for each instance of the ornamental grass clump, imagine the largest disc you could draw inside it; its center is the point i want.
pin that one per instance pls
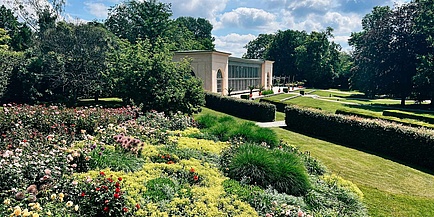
(260, 166)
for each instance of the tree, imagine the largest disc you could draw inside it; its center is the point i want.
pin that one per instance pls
(257, 47)
(201, 29)
(317, 59)
(30, 10)
(424, 78)
(282, 51)
(10, 61)
(146, 74)
(72, 61)
(133, 20)
(343, 73)
(20, 34)
(386, 52)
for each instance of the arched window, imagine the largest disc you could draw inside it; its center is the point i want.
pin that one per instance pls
(219, 81)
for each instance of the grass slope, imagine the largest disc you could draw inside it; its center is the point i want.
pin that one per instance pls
(389, 188)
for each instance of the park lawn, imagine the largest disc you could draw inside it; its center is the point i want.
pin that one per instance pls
(390, 188)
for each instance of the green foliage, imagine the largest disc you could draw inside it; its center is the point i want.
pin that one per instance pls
(267, 92)
(257, 47)
(409, 115)
(201, 28)
(160, 83)
(160, 189)
(226, 128)
(411, 145)
(241, 108)
(20, 34)
(329, 198)
(10, 62)
(280, 106)
(116, 159)
(257, 165)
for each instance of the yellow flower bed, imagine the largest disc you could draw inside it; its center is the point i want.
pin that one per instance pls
(200, 144)
(333, 178)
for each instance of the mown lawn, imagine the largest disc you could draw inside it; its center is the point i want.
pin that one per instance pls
(390, 188)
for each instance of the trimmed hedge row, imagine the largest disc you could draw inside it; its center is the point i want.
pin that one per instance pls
(246, 109)
(403, 114)
(279, 105)
(407, 144)
(349, 112)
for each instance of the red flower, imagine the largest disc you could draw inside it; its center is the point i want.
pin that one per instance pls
(118, 190)
(106, 209)
(192, 170)
(120, 178)
(97, 189)
(110, 179)
(117, 185)
(102, 173)
(125, 209)
(116, 196)
(195, 178)
(106, 201)
(138, 206)
(83, 194)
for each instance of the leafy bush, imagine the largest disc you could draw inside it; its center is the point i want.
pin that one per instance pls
(160, 189)
(105, 157)
(250, 110)
(267, 92)
(158, 120)
(408, 144)
(329, 199)
(279, 105)
(226, 128)
(257, 165)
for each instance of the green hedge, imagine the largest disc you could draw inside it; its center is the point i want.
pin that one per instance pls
(246, 109)
(279, 105)
(411, 145)
(355, 113)
(403, 114)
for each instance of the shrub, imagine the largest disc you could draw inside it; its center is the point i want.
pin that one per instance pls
(226, 128)
(245, 96)
(279, 105)
(257, 165)
(118, 160)
(250, 110)
(160, 189)
(408, 144)
(329, 199)
(267, 92)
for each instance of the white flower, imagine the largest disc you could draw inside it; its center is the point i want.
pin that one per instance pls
(76, 208)
(69, 203)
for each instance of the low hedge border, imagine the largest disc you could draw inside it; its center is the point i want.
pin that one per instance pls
(403, 114)
(348, 112)
(247, 109)
(279, 106)
(414, 146)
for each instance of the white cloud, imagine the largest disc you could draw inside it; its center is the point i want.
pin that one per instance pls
(248, 18)
(233, 43)
(99, 10)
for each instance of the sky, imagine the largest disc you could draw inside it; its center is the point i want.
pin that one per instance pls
(236, 22)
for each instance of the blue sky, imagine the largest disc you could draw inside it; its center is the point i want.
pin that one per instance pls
(236, 22)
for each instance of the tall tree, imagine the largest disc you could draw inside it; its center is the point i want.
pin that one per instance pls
(73, 60)
(386, 51)
(10, 61)
(133, 20)
(201, 29)
(20, 34)
(282, 51)
(318, 59)
(424, 78)
(257, 47)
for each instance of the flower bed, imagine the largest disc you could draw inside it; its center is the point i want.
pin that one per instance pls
(105, 162)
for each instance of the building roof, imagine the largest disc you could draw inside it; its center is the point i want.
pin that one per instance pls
(202, 51)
